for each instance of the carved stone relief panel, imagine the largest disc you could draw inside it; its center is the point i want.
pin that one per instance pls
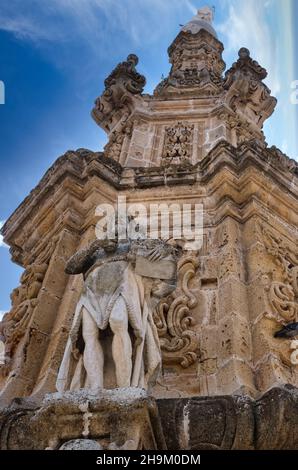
(121, 86)
(174, 319)
(117, 137)
(24, 300)
(281, 293)
(178, 144)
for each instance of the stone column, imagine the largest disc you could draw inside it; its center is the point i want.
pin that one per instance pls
(228, 343)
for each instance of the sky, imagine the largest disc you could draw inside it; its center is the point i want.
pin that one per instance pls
(55, 55)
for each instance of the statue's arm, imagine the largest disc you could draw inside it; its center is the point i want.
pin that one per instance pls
(150, 249)
(81, 261)
(159, 249)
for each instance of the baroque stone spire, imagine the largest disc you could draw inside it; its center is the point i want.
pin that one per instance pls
(196, 58)
(191, 110)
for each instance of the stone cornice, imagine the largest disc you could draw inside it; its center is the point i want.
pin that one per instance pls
(81, 165)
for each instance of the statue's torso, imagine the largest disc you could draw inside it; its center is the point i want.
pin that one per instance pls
(107, 260)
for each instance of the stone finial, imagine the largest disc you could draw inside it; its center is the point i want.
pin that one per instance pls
(244, 53)
(247, 95)
(123, 83)
(133, 59)
(201, 21)
(206, 14)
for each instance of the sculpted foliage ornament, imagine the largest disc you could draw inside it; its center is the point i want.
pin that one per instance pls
(178, 143)
(174, 320)
(127, 73)
(24, 299)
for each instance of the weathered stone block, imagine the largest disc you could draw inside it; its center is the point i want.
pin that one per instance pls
(235, 377)
(234, 339)
(207, 423)
(118, 419)
(232, 298)
(270, 373)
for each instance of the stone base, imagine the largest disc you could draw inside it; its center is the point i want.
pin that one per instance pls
(129, 419)
(232, 422)
(107, 419)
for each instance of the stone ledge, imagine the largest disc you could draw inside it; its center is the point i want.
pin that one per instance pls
(128, 418)
(232, 422)
(115, 419)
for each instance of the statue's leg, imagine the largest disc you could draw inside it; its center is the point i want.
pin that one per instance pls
(121, 346)
(93, 353)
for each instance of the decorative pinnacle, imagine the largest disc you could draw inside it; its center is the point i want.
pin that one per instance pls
(202, 20)
(244, 53)
(206, 14)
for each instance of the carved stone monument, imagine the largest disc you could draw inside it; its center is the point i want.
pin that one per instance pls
(203, 346)
(120, 291)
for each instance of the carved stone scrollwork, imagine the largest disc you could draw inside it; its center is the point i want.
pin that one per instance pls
(24, 301)
(282, 295)
(294, 353)
(122, 83)
(178, 144)
(281, 298)
(133, 81)
(247, 95)
(173, 319)
(283, 256)
(196, 66)
(238, 125)
(196, 58)
(116, 140)
(282, 160)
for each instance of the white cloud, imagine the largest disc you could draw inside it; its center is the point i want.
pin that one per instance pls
(191, 7)
(62, 20)
(24, 28)
(2, 244)
(97, 22)
(248, 27)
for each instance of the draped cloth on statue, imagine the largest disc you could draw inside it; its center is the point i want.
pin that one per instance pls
(103, 286)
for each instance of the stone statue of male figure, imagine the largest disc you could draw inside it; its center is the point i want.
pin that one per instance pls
(123, 282)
